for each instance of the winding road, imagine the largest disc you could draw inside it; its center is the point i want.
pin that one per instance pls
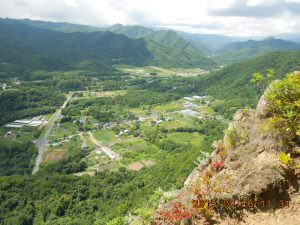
(42, 143)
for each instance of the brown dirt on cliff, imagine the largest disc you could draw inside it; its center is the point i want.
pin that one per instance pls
(245, 171)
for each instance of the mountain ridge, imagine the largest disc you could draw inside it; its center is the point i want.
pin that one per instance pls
(242, 50)
(66, 48)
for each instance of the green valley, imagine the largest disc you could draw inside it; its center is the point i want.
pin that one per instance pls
(104, 125)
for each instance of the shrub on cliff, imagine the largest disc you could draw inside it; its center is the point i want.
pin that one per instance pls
(284, 105)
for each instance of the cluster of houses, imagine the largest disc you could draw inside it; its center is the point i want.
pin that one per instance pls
(34, 122)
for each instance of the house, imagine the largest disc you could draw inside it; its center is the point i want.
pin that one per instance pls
(56, 144)
(4, 86)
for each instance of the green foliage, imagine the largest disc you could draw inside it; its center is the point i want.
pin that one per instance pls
(117, 221)
(59, 199)
(241, 51)
(34, 48)
(284, 104)
(16, 158)
(51, 197)
(29, 100)
(286, 159)
(232, 139)
(231, 84)
(262, 81)
(170, 50)
(17, 152)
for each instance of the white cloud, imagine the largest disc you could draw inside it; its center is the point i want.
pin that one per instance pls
(72, 3)
(261, 2)
(234, 17)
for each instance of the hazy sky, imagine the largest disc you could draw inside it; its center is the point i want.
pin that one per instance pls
(228, 17)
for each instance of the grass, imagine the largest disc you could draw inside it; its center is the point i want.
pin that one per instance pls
(171, 107)
(160, 71)
(178, 121)
(194, 138)
(136, 149)
(208, 110)
(19, 134)
(98, 94)
(65, 129)
(66, 149)
(105, 136)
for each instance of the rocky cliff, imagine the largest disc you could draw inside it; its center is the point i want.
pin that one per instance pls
(252, 177)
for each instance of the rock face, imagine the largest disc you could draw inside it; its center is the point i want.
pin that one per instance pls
(262, 105)
(251, 163)
(244, 165)
(261, 109)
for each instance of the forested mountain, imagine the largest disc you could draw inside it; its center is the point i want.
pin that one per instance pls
(46, 49)
(208, 42)
(56, 26)
(167, 46)
(204, 42)
(23, 44)
(233, 82)
(134, 31)
(239, 51)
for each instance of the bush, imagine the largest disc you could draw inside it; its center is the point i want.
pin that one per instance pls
(284, 104)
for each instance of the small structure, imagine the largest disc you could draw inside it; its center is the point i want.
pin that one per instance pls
(8, 134)
(56, 144)
(99, 152)
(34, 122)
(4, 86)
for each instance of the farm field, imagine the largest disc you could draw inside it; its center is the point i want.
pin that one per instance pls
(172, 125)
(162, 72)
(141, 134)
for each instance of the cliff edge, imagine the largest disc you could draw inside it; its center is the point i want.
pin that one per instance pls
(252, 177)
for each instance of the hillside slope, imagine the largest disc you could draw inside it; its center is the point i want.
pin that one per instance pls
(240, 51)
(133, 31)
(253, 171)
(62, 27)
(232, 85)
(23, 44)
(168, 47)
(37, 45)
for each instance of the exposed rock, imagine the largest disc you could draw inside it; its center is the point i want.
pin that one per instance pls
(262, 105)
(251, 167)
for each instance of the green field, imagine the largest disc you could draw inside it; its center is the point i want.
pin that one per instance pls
(105, 136)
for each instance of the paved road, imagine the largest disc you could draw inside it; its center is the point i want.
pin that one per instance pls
(41, 144)
(110, 153)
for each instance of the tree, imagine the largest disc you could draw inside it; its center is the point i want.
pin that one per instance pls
(261, 80)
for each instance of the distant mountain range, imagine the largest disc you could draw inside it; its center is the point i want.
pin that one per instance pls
(220, 48)
(46, 49)
(240, 51)
(165, 45)
(25, 40)
(56, 26)
(54, 46)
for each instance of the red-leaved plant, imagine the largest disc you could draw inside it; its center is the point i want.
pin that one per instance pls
(177, 213)
(217, 166)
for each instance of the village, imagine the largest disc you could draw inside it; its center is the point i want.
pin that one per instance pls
(112, 145)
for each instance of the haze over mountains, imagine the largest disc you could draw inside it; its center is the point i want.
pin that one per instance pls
(165, 48)
(62, 45)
